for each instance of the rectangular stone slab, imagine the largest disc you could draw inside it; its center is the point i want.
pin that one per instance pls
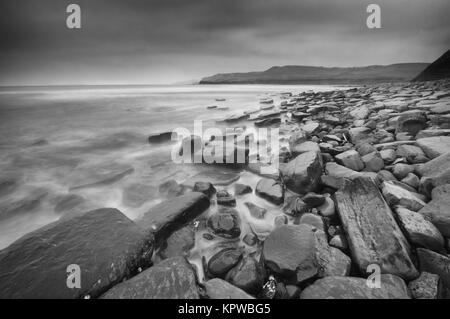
(372, 232)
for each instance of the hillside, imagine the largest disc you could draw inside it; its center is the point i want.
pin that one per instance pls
(293, 74)
(439, 69)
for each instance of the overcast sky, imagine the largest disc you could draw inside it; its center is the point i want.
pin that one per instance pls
(166, 41)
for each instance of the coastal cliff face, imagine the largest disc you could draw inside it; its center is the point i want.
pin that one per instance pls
(439, 69)
(292, 74)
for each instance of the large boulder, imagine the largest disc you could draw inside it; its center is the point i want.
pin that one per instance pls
(438, 209)
(248, 275)
(302, 174)
(374, 238)
(166, 217)
(173, 278)
(220, 289)
(435, 263)
(104, 243)
(396, 195)
(392, 287)
(435, 146)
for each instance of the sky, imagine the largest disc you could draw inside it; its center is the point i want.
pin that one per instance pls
(170, 41)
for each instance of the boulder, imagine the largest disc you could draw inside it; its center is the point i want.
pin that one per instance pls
(360, 113)
(248, 275)
(427, 286)
(305, 147)
(223, 261)
(293, 206)
(435, 263)
(373, 238)
(411, 122)
(225, 199)
(179, 243)
(313, 220)
(419, 230)
(411, 180)
(438, 209)
(104, 243)
(205, 188)
(413, 154)
(167, 216)
(400, 170)
(271, 190)
(313, 200)
(373, 162)
(302, 174)
(434, 173)
(392, 287)
(388, 155)
(173, 278)
(435, 146)
(350, 159)
(220, 289)
(396, 195)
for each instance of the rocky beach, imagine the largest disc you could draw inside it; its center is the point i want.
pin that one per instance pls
(363, 185)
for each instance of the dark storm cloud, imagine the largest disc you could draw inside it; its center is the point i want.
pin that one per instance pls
(156, 41)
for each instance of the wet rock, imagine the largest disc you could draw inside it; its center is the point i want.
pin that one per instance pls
(271, 190)
(35, 266)
(290, 252)
(167, 216)
(411, 122)
(250, 239)
(396, 195)
(220, 289)
(438, 209)
(373, 162)
(373, 238)
(400, 170)
(327, 209)
(225, 224)
(136, 194)
(241, 189)
(435, 146)
(427, 286)
(173, 278)
(68, 202)
(179, 243)
(434, 263)
(256, 211)
(162, 137)
(413, 154)
(302, 174)
(223, 261)
(205, 188)
(225, 199)
(313, 200)
(420, 231)
(350, 159)
(247, 275)
(392, 287)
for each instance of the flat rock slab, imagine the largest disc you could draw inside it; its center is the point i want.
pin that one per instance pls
(435, 146)
(220, 289)
(173, 278)
(104, 243)
(166, 217)
(373, 234)
(392, 287)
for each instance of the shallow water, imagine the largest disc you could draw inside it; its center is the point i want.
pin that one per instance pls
(87, 146)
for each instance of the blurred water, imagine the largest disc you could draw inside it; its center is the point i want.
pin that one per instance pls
(86, 147)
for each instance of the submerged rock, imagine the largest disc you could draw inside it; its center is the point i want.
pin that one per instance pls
(256, 211)
(225, 199)
(223, 261)
(104, 243)
(241, 189)
(173, 278)
(225, 224)
(205, 188)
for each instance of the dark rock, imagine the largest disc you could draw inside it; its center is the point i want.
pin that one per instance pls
(173, 278)
(205, 188)
(302, 174)
(350, 159)
(293, 206)
(435, 263)
(220, 289)
(241, 189)
(167, 216)
(373, 238)
(271, 190)
(247, 275)
(104, 243)
(179, 243)
(313, 200)
(225, 199)
(162, 137)
(392, 287)
(226, 224)
(223, 261)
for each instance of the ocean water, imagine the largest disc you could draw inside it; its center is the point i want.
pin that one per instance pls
(64, 149)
